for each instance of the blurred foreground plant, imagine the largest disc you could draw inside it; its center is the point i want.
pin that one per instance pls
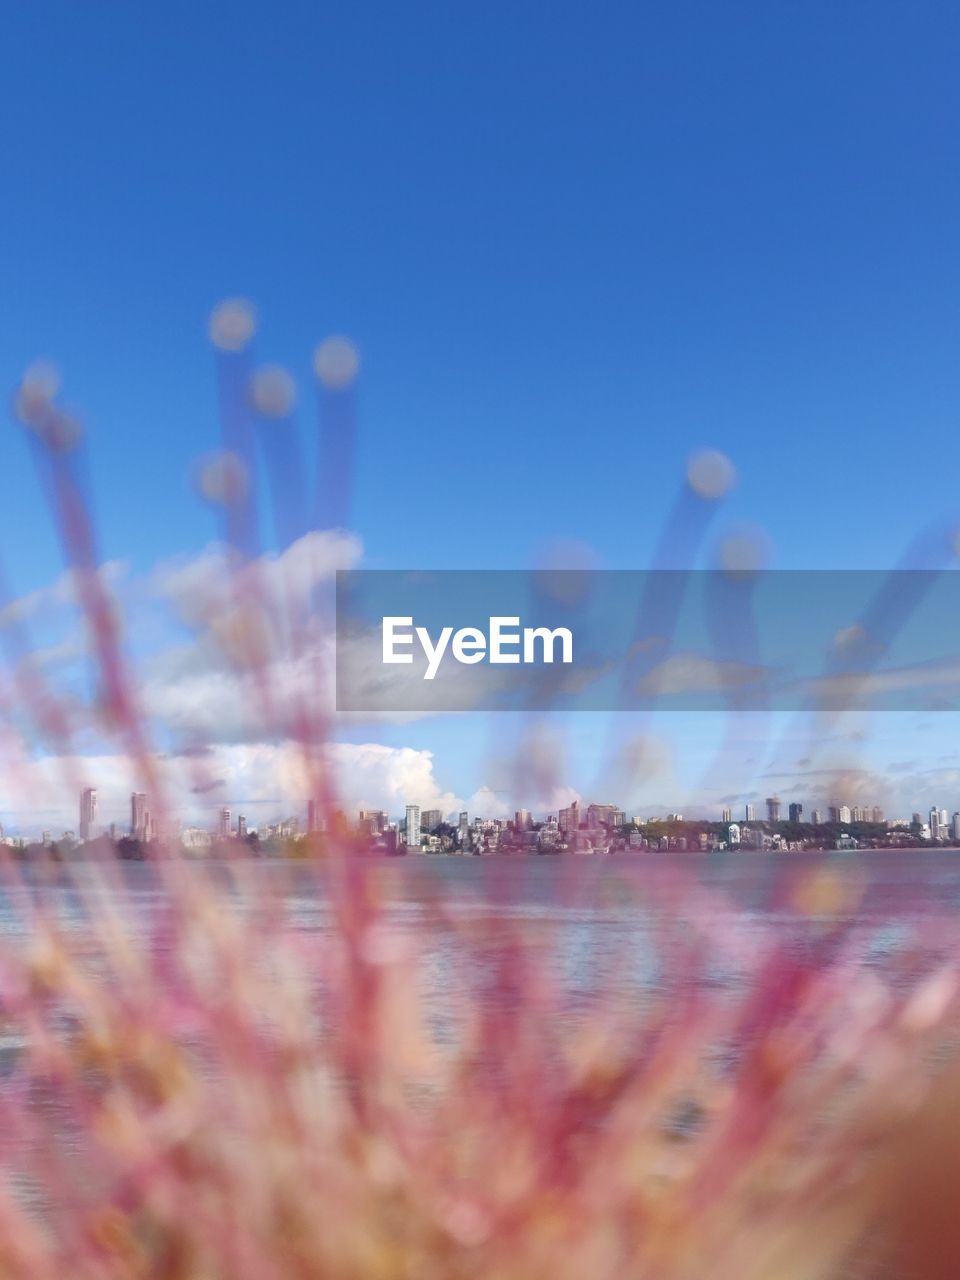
(215, 1091)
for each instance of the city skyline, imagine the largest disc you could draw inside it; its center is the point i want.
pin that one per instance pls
(416, 820)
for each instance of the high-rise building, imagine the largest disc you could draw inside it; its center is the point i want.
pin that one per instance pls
(773, 808)
(430, 819)
(223, 824)
(817, 817)
(843, 813)
(750, 813)
(604, 815)
(412, 839)
(373, 820)
(569, 818)
(877, 813)
(138, 815)
(726, 815)
(88, 812)
(936, 830)
(521, 820)
(241, 826)
(955, 832)
(796, 812)
(312, 817)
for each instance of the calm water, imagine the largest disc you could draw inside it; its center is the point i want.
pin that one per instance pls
(602, 920)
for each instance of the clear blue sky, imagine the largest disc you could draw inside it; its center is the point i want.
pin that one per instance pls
(573, 243)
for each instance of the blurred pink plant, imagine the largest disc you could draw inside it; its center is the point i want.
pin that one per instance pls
(217, 1092)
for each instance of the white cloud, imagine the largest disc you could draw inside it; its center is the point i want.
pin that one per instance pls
(59, 595)
(265, 780)
(213, 582)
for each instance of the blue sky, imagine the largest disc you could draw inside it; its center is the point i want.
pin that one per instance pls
(573, 244)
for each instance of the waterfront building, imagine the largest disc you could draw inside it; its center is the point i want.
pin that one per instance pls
(138, 815)
(430, 819)
(549, 834)
(569, 818)
(195, 838)
(412, 839)
(88, 812)
(604, 815)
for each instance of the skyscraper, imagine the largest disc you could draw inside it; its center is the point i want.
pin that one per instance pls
(521, 820)
(312, 816)
(750, 813)
(138, 815)
(773, 808)
(413, 826)
(796, 812)
(88, 812)
(726, 815)
(430, 819)
(569, 820)
(223, 828)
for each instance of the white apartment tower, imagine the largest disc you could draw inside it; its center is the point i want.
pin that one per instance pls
(413, 826)
(88, 812)
(138, 815)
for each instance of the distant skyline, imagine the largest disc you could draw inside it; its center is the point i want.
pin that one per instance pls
(572, 249)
